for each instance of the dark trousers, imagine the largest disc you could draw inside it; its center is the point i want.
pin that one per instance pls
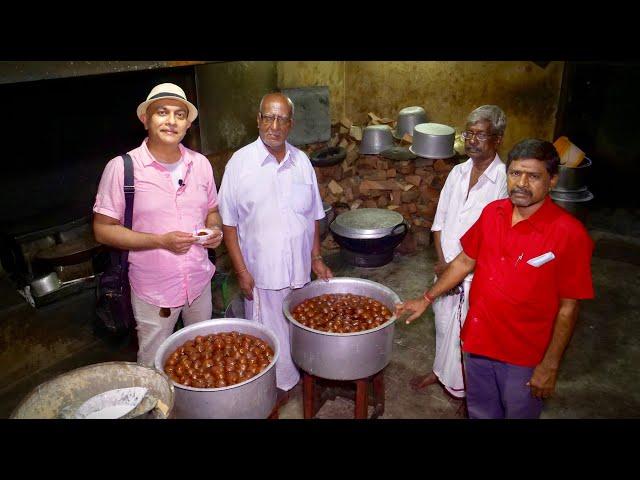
(498, 390)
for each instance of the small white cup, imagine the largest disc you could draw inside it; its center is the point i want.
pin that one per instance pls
(203, 234)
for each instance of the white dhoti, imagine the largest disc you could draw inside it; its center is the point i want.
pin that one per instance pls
(449, 317)
(266, 308)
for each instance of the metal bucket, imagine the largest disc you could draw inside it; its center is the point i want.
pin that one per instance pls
(573, 179)
(574, 202)
(342, 356)
(253, 398)
(61, 396)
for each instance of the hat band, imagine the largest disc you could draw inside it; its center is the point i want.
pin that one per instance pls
(166, 94)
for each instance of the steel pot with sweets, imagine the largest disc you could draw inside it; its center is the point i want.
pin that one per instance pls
(343, 356)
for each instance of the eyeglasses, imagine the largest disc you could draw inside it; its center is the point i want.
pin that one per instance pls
(268, 119)
(480, 136)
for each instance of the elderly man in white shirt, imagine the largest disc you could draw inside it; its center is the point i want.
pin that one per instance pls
(270, 207)
(470, 186)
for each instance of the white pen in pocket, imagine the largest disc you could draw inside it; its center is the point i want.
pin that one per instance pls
(541, 259)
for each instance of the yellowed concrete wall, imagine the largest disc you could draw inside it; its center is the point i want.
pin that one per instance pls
(313, 74)
(449, 91)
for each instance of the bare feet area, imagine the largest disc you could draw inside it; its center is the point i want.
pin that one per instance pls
(421, 382)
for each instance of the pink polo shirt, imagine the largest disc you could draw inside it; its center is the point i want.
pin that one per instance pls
(158, 276)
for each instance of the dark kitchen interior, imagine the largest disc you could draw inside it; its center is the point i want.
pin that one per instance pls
(65, 124)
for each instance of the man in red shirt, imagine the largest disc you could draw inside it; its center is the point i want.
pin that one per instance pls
(532, 265)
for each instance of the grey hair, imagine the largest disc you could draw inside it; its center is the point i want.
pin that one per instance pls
(291, 106)
(491, 113)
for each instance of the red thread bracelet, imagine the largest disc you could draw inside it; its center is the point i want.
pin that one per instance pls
(428, 297)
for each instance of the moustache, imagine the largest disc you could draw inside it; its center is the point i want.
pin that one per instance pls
(520, 190)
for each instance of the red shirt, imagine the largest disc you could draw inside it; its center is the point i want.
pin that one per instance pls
(512, 304)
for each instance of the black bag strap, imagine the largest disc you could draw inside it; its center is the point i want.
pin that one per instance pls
(129, 192)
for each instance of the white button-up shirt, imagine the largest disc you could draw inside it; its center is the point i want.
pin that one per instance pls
(456, 212)
(274, 207)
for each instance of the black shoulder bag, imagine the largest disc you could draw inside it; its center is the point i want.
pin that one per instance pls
(113, 307)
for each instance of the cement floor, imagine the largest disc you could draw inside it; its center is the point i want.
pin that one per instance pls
(599, 377)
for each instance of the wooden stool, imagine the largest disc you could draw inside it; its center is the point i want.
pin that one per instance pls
(362, 395)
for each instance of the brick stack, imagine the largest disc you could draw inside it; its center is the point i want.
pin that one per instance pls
(410, 187)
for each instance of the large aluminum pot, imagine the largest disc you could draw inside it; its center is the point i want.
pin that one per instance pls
(573, 179)
(573, 202)
(61, 396)
(375, 139)
(326, 220)
(341, 356)
(408, 118)
(253, 398)
(433, 140)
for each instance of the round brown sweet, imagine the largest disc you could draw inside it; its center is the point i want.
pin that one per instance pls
(341, 313)
(218, 360)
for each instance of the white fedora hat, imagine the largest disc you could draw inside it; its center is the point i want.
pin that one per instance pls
(167, 90)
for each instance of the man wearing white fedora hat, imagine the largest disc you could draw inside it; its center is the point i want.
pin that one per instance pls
(469, 187)
(270, 206)
(175, 195)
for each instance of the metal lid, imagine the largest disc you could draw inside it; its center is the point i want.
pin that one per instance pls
(582, 195)
(398, 154)
(367, 223)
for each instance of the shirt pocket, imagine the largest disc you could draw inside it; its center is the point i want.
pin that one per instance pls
(197, 200)
(301, 198)
(533, 284)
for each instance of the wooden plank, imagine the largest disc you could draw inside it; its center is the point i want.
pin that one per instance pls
(346, 122)
(355, 132)
(413, 179)
(330, 198)
(380, 185)
(410, 196)
(442, 166)
(374, 174)
(437, 182)
(405, 168)
(356, 204)
(368, 161)
(335, 188)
